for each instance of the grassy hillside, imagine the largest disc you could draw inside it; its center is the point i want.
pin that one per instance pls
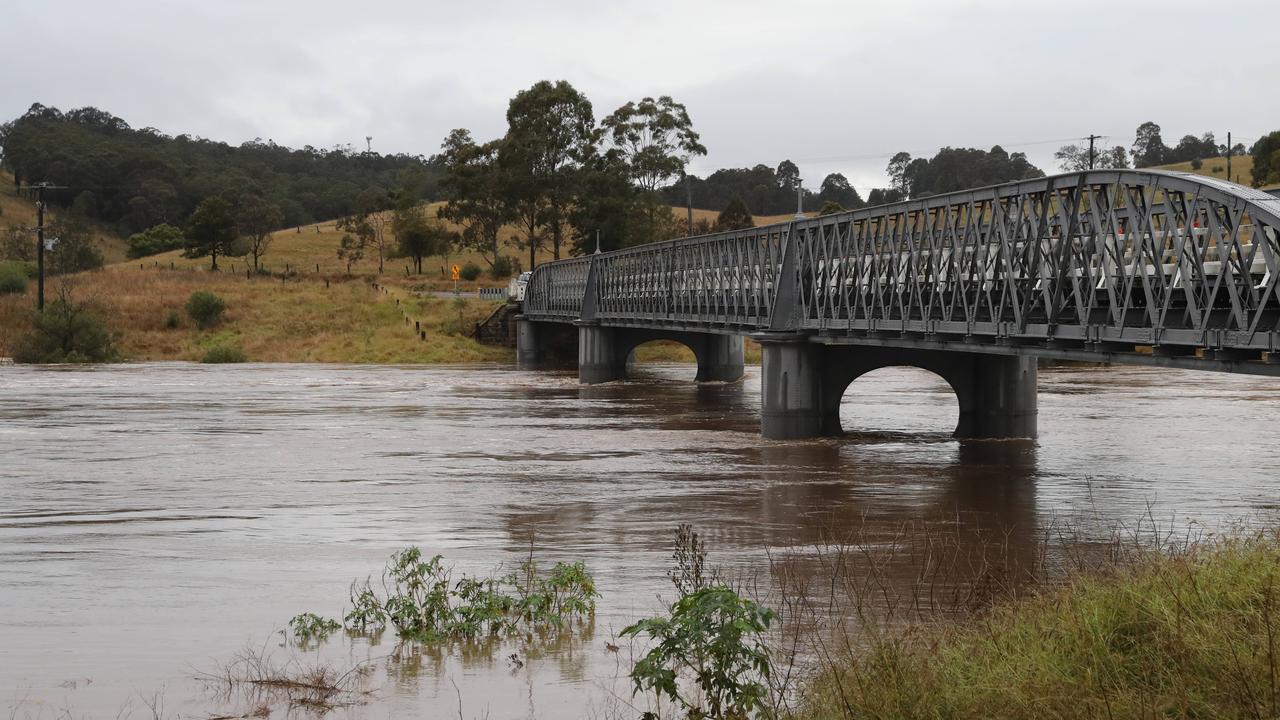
(313, 249)
(270, 320)
(16, 209)
(1241, 169)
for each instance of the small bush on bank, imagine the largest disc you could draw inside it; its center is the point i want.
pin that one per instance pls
(13, 281)
(224, 354)
(470, 271)
(502, 268)
(171, 321)
(205, 308)
(66, 332)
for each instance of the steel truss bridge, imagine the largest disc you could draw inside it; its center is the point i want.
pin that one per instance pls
(1137, 266)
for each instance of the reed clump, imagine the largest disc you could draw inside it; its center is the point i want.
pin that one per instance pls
(1184, 633)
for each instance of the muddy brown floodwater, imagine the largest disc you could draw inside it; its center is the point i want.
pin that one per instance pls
(156, 519)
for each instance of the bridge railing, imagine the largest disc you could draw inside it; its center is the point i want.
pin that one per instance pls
(1130, 256)
(1124, 256)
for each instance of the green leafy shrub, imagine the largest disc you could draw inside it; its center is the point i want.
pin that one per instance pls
(424, 602)
(223, 354)
(154, 240)
(171, 321)
(502, 268)
(66, 332)
(13, 281)
(309, 625)
(470, 271)
(716, 637)
(205, 308)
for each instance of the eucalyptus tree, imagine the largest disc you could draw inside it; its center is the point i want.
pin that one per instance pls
(550, 135)
(656, 140)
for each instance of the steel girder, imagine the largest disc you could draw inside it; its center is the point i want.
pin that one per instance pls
(1100, 258)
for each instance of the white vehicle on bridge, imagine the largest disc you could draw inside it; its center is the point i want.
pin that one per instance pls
(517, 286)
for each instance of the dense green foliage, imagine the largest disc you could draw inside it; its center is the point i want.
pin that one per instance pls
(954, 169)
(309, 626)
(469, 272)
(424, 602)
(1188, 636)
(765, 190)
(154, 240)
(1266, 159)
(212, 230)
(205, 308)
(68, 331)
(13, 278)
(221, 354)
(716, 637)
(418, 236)
(735, 216)
(137, 178)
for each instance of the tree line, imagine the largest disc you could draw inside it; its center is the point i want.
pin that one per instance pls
(134, 179)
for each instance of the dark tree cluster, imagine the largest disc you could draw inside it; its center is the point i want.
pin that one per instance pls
(562, 179)
(764, 190)
(138, 178)
(1149, 148)
(954, 169)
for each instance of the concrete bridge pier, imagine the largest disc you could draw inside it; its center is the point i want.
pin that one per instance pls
(802, 383)
(543, 344)
(605, 352)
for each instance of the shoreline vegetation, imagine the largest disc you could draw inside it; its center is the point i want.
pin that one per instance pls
(1187, 630)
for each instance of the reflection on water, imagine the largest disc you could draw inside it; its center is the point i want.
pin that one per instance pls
(156, 519)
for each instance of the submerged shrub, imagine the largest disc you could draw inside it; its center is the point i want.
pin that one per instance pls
(67, 331)
(309, 625)
(716, 638)
(205, 308)
(223, 354)
(424, 602)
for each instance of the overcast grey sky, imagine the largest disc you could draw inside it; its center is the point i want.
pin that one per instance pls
(833, 86)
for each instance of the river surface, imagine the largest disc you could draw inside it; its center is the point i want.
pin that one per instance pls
(157, 519)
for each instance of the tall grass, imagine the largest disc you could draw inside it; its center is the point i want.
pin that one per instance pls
(270, 320)
(1123, 629)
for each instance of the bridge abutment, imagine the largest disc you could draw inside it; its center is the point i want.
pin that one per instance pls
(802, 384)
(604, 353)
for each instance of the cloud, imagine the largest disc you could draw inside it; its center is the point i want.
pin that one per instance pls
(835, 86)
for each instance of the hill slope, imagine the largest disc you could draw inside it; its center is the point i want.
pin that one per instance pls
(17, 209)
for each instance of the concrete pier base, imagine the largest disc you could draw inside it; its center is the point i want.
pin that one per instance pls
(541, 344)
(604, 353)
(802, 384)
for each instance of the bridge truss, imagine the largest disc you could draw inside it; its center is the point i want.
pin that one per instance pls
(1089, 265)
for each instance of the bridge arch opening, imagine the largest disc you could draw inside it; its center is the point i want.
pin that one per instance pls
(663, 358)
(899, 400)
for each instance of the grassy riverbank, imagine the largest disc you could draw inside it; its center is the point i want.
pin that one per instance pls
(1192, 635)
(269, 320)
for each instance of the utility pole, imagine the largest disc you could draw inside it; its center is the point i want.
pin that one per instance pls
(1091, 156)
(799, 198)
(597, 241)
(688, 195)
(40, 247)
(1229, 157)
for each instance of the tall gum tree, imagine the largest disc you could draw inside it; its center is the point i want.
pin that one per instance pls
(551, 133)
(656, 140)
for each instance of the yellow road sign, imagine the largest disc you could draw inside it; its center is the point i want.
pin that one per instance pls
(457, 272)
